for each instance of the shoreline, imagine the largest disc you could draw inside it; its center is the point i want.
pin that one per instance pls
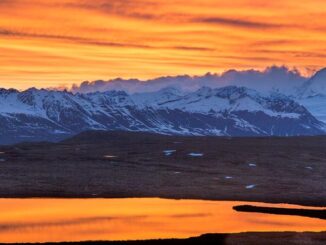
(249, 201)
(267, 238)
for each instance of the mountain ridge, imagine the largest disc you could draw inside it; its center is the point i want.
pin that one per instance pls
(35, 114)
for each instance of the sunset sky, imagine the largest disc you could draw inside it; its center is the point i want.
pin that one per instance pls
(55, 43)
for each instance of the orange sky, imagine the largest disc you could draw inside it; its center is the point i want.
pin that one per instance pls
(48, 43)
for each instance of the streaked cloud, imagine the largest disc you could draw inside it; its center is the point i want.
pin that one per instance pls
(237, 23)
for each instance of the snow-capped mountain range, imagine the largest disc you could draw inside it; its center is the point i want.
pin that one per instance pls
(310, 92)
(35, 115)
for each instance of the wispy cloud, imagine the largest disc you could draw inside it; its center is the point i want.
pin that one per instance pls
(236, 22)
(16, 34)
(126, 8)
(7, 2)
(5, 32)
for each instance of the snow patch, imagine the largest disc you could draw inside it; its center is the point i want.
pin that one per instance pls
(169, 152)
(110, 156)
(250, 186)
(196, 154)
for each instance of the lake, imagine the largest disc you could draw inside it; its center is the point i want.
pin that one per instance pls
(56, 220)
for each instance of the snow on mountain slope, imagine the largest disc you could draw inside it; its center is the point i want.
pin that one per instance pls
(312, 95)
(315, 86)
(231, 98)
(234, 111)
(316, 105)
(157, 99)
(10, 103)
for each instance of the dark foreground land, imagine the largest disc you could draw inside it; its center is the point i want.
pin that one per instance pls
(289, 238)
(310, 213)
(120, 164)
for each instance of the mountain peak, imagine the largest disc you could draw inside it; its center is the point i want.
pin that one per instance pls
(315, 86)
(321, 74)
(8, 91)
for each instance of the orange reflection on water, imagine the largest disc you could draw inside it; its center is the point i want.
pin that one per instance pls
(56, 220)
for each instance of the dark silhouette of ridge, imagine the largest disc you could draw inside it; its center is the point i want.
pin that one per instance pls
(311, 213)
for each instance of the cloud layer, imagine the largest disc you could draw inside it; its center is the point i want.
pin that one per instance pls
(272, 78)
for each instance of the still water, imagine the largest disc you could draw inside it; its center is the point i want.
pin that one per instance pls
(55, 220)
